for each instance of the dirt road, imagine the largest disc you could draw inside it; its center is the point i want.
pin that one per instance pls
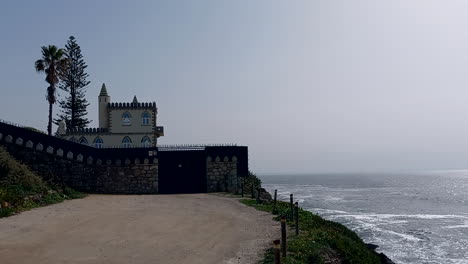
(158, 229)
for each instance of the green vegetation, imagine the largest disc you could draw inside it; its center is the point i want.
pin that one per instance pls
(319, 240)
(34, 129)
(73, 83)
(53, 63)
(21, 189)
(251, 179)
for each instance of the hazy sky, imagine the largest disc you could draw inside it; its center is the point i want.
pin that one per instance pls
(309, 86)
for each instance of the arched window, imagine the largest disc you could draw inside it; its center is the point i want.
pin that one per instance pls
(83, 141)
(126, 119)
(126, 142)
(98, 142)
(145, 118)
(146, 142)
(73, 139)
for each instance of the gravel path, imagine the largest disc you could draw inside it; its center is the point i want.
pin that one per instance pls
(160, 229)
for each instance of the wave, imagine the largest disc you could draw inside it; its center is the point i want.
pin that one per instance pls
(465, 225)
(389, 216)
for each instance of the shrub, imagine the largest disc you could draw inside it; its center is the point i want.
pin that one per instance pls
(17, 181)
(22, 189)
(250, 180)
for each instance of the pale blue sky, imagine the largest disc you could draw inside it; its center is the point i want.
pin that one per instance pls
(309, 86)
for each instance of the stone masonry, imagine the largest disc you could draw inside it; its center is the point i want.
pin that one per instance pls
(88, 175)
(136, 178)
(221, 174)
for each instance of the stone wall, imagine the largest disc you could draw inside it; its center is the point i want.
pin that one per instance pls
(119, 170)
(131, 178)
(221, 174)
(84, 173)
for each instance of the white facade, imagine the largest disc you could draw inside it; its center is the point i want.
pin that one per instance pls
(123, 125)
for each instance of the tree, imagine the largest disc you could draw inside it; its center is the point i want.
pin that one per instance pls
(53, 63)
(74, 82)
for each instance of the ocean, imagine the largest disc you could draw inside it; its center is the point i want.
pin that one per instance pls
(419, 217)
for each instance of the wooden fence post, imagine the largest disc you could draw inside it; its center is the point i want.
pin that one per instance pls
(274, 202)
(296, 205)
(276, 247)
(283, 236)
(291, 207)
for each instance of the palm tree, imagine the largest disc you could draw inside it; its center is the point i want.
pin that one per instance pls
(53, 63)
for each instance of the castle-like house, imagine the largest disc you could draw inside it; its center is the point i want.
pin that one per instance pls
(123, 125)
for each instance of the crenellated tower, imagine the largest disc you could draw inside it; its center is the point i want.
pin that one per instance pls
(104, 100)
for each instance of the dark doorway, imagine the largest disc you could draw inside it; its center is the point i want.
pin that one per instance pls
(182, 171)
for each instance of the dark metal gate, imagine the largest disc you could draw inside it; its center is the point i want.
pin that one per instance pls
(182, 171)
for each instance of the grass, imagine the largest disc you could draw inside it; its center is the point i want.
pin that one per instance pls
(319, 240)
(21, 189)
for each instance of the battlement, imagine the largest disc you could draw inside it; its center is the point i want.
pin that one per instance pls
(87, 130)
(133, 105)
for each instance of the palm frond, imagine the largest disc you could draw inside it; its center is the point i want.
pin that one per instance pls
(53, 50)
(45, 52)
(59, 54)
(39, 65)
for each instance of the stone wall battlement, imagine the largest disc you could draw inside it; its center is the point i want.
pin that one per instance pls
(89, 159)
(127, 170)
(132, 105)
(93, 130)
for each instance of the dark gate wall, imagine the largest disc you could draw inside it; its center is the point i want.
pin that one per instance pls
(182, 171)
